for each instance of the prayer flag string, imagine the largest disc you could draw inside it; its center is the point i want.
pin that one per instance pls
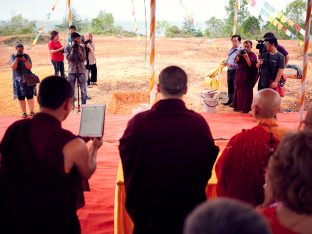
(42, 28)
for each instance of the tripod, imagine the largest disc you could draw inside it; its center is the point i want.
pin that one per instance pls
(78, 87)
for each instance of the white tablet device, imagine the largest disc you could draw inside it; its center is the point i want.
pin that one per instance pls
(92, 121)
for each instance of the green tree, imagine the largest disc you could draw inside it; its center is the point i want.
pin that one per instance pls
(17, 25)
(243, 13)
(189, 29)
(296, 11)
(103, 23)
(251, 27)
(173, 31)
(162, 26)
(214, 27)
(188, 26)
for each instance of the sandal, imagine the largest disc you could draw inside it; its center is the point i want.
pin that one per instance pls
(31, 115)
(24, 116)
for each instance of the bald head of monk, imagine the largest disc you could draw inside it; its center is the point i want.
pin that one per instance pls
(308, 120)
(266, 104)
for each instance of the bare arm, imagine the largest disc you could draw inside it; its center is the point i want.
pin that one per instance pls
(278, 77)
(14, 64)
(77, 154)
(260, 63)
(246, 57)
(55, 51)
(28, 65)
(279, 74)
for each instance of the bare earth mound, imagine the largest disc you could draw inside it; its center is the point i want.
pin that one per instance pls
(123, 72)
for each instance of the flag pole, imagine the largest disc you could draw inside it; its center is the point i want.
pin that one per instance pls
(153, 84)
(235, 17)
(305, 60)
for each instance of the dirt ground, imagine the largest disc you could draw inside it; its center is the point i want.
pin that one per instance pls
(123, 72)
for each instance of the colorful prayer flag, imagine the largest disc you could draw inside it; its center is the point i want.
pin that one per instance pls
(290, 22)
(297, 27)
(275, 22)
(302, 31)
(279, 14)
(284, 19)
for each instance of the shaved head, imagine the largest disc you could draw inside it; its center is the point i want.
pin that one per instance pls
(173, 81)
(308, 120)
(266, 104)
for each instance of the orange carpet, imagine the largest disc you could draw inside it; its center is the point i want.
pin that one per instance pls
(97, 216)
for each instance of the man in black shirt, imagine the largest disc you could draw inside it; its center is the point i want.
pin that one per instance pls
(279, 48)
(272, 65)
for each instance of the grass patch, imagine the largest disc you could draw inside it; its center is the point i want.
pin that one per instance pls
(25, 39)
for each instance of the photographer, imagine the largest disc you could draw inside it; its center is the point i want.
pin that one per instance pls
(56, 51)
(76, 56)
(246, 78)
(21, 64)
(272, 65)
(279, 48)
(90, 60)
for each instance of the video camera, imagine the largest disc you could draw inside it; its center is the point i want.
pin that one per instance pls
(19, 55)
(260, 46)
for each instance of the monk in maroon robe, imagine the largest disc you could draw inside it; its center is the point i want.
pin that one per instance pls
(167, 154)
(42, 167)
(246, 78)
(241, 168)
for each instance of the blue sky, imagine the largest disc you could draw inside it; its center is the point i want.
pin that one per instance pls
(170, 10)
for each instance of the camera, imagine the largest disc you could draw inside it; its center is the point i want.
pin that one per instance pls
(242, 51)
(87, 42)
(260, 46)
(19, 55)
(75, 46)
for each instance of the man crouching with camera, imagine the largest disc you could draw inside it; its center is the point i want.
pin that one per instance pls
(21, 65)
(76, 56)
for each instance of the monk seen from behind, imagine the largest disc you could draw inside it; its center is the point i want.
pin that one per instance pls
(42, 167)
(167, 155)
(240, 169)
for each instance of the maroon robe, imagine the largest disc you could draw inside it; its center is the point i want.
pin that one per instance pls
(241, 167)
(245, 80)
(167, 154)
(36, 194)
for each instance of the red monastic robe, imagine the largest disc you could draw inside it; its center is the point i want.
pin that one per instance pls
(240, 169)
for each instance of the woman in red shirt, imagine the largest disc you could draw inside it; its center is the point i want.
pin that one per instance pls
(289, 182)
(56, 51)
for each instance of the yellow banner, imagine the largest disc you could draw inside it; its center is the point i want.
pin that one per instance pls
(279, 14)
(275, 22)
(284, 19)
